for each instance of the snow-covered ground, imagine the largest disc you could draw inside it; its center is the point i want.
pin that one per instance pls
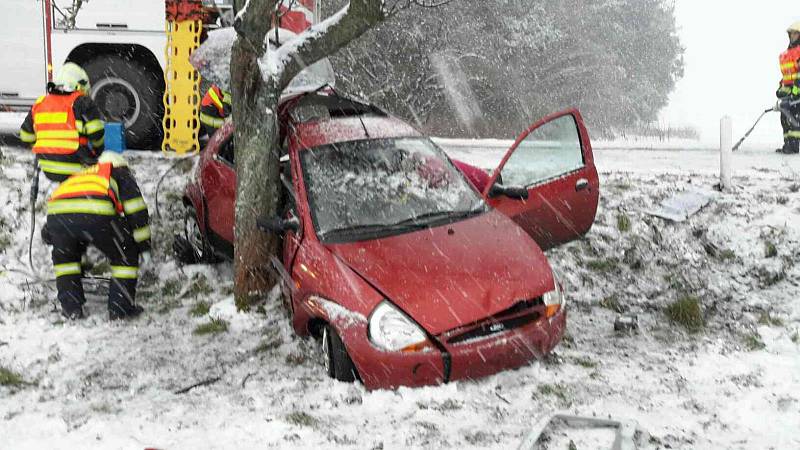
(735, 384)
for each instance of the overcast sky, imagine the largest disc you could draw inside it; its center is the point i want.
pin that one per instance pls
(731, 66)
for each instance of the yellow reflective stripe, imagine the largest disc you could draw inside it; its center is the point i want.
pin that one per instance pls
(88, 188)
(93, 126)
(50, 117)
(40, 99)
(58, 134)
(79, 125)
(125, 272)
(88, 178)
(98, 142)
(792, 134)
(215, 97)
(81, 206)
(58, 167)
(135, 205)
(211, 121)
(24, 136)
(40, 143)
(72, 268)
(141, 234)
(114, 186)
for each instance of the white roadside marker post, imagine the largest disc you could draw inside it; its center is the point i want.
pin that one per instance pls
(725, 153)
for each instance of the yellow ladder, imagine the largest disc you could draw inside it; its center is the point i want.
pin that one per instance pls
(182, 93)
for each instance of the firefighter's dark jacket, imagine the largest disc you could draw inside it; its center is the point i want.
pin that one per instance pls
(128, 205)
(57, 167)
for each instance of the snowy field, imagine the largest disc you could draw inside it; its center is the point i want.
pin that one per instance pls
(735, 384)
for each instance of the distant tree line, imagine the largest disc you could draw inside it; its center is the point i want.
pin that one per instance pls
(488, 68)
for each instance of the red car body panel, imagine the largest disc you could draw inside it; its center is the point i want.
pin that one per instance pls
(433, 270)
(558, 210)
(455, 280)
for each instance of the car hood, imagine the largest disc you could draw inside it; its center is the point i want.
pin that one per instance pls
(455, 274)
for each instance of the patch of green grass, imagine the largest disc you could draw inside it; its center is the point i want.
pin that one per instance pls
(766, 319)
(585, 362)
(796, 337)
(770, 251)
(782, 200)
(213, 327)
(726, 255)
(200, 309)
(623, 223)
(268, 344)
(602, 265)
(753, 342)
(302, 419)
(554, 390)
(296, 359)
(9, 378)
(686, 311)
(197, 287)
(171, 288)
(612, 303)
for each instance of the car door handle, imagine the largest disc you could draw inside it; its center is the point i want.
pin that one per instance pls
(582, 184)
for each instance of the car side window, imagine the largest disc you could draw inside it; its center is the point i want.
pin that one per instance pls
(552, 150)
(226, 151)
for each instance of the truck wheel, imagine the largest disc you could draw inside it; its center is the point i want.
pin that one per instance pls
(338, 364)
(125, 91)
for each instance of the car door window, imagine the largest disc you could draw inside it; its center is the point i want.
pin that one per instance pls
(552, 150)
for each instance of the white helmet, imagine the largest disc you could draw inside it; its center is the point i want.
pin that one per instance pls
(794, 28)
(71, 77)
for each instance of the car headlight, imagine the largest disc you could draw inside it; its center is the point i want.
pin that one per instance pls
(553, 300)
(390, 329)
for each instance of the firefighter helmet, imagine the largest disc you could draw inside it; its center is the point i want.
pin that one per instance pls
(72, 78)
(794, 28)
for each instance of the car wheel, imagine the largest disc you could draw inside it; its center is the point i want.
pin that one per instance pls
(197, 248)
(338, 364)
(125, 91)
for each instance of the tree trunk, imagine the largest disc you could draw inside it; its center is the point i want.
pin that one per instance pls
(255, 105)
(255, 101)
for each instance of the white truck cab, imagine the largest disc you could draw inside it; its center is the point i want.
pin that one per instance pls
(120, 44)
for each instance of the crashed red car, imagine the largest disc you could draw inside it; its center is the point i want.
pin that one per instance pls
(411, 272)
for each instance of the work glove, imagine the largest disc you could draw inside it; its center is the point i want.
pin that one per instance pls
(144, 260)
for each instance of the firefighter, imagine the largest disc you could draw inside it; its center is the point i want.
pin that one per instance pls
(789, 90)
(102, 206)
(63, 124)
(214, 108)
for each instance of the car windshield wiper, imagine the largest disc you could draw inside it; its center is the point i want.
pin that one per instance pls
(434, 216)
(367, 228)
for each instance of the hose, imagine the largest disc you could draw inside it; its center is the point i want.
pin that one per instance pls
(33, 196)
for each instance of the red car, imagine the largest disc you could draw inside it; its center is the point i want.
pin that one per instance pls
(411, 271)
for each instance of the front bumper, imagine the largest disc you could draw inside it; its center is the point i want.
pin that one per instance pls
(465, 360)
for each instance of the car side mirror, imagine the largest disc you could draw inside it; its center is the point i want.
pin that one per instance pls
(515, 192)
(278, 225)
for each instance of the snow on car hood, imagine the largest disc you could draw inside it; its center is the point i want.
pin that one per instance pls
(454, 274)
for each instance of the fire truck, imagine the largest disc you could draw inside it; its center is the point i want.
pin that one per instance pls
(120, 44)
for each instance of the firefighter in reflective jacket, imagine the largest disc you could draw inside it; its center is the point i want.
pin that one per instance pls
(63, 123)
(789, 90)
(102, 206)
(214, 108)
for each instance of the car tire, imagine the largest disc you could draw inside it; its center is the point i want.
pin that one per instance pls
(126, 91)
(194, 247)
(337, 362)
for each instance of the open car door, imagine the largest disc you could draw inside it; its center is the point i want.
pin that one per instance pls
(552, 160)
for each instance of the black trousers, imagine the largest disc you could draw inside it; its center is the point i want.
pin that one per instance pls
(791, 135)
(70, 234)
